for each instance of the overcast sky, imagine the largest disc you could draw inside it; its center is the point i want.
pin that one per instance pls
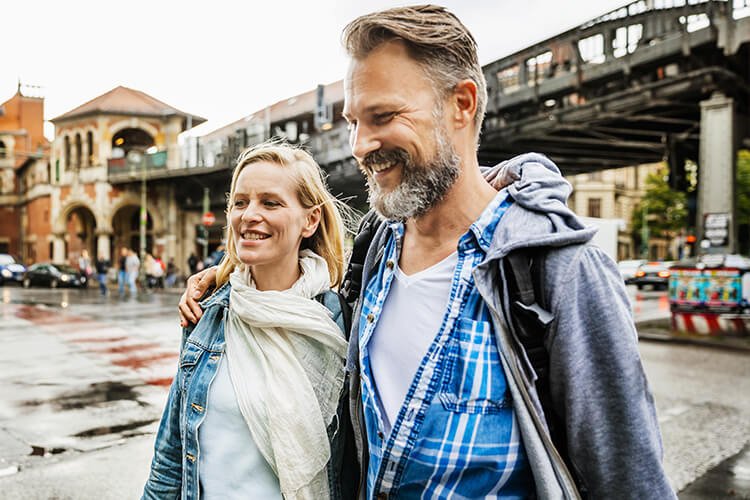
(223, 59)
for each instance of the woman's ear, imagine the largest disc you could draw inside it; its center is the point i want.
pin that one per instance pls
(312, 222)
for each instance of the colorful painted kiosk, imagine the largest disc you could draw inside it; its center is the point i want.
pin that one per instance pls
(711, 295)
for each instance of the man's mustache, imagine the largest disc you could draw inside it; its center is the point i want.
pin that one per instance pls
(381, 156)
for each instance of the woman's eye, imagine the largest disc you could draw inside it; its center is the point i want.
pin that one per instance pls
(239, 203)
(271, 203)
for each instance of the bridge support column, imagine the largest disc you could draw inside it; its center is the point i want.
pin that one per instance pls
(103, 245)
(717, 207)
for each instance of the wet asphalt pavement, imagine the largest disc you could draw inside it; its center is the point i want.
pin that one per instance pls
(84, 379)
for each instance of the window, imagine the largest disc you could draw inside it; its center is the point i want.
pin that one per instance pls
(78, 151)
(3, 153)
(66, 152)
(592, 49)
(508, 79)
(595, 207)
(538, 67)
(89, 148)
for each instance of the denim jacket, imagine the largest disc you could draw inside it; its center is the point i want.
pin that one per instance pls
(174, 468)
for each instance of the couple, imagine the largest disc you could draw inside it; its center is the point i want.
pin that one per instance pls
(442, 402)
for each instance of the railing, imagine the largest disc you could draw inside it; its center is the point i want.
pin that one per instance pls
(120, 167)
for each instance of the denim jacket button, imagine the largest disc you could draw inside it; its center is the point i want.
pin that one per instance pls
(370, 318)
(197, 408)
(190, 457)
(389, 264)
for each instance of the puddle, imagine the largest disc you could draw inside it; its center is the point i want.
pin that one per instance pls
(101, 392)
(113, 429)
(41, 451)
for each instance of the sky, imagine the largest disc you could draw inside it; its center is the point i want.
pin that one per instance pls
(222, 59)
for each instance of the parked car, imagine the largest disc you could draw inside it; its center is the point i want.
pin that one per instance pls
(628, 269)
(53, 275)
(10, 270)
(654, 273)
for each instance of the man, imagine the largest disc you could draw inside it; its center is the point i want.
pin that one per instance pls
(102, 267)
(443, 402)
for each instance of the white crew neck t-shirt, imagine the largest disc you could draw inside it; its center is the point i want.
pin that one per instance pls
(231, 465)
(410, 320)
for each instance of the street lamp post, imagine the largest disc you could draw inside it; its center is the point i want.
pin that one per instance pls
(137, 159)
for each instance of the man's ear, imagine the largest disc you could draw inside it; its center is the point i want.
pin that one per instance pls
(312, 222)
(464, 103)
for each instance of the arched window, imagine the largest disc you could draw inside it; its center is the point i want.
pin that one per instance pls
(78, 151)
(3, 153)
(67, 152)
(89, 148)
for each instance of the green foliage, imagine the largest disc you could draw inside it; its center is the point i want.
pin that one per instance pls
(664, 209)
(743, 187)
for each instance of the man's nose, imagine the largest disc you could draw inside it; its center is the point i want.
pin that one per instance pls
(363, 142)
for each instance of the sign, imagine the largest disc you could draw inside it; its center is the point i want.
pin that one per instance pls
(208, 219)
(716, 229)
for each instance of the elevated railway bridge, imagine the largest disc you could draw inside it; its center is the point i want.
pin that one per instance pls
(654, 80)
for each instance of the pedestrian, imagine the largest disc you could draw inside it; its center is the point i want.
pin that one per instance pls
(171, 277)
(122, 275)
(217, 255)
(446, 399)
(257, 395)
(132, 268)
(192, 263)
(102, 267)
(84, 266)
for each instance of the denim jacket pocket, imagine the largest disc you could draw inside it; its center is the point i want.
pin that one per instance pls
(474, 381)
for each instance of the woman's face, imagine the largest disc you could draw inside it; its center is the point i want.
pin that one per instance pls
(267, 220)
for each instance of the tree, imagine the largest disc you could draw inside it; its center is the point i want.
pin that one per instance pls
(743, 200)
(663, 209)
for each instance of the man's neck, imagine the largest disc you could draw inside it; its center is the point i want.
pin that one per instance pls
(433, 236)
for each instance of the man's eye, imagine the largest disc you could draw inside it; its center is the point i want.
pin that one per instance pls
(384, 117)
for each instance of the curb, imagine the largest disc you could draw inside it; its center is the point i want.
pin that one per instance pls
(659, 330)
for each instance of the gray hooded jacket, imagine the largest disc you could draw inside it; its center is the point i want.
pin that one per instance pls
(597, 383)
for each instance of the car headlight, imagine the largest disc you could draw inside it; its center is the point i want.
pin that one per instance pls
(6, 273)
(65, 277)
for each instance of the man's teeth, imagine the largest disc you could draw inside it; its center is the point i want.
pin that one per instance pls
(254, 236)
(379, 167)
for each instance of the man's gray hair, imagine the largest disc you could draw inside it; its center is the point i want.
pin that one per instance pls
(434, 37)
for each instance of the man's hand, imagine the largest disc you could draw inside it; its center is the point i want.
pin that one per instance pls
(197, 285)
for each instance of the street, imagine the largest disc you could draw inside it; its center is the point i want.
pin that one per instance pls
(84, 378)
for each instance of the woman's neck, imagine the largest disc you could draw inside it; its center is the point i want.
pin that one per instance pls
(275, 277)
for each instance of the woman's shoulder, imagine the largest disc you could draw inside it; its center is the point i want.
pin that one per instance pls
(340, 312)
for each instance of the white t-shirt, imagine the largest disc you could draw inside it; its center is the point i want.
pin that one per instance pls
(410, 320)
(231, 465)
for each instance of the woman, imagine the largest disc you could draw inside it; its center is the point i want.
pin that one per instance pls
(256, 396)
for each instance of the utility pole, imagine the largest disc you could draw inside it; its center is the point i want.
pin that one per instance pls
(644, 232)
(206, 209)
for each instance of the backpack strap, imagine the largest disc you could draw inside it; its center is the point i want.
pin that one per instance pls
(524, 270)
(352, 282)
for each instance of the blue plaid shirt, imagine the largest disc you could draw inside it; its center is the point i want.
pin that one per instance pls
(456, 433)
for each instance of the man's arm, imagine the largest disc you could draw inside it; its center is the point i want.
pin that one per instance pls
(197, 286)
(598, 384)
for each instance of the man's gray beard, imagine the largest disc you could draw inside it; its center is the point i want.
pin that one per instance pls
(421, 187)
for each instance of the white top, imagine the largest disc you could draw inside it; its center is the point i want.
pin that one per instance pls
(411, 317)
(231, 466)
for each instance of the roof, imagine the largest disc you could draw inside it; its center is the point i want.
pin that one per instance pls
(124, 100)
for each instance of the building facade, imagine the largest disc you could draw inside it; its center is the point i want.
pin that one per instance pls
(24, 177)
(110, 157)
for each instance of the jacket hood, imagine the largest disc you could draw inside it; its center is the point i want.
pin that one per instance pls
(539, 215)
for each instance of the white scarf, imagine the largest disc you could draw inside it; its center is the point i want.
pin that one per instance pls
(285, 357)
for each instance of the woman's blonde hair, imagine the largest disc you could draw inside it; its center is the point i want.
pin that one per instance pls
(328, 239)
